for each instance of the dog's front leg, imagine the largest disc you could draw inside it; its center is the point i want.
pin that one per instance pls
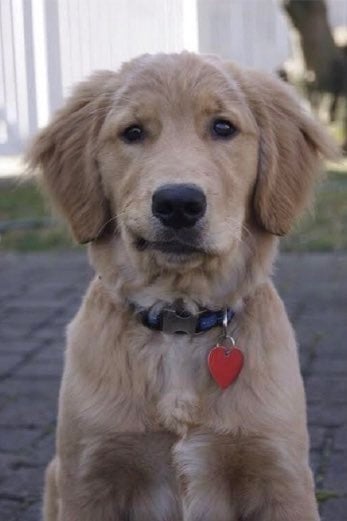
(121, 477)
(233, 477)
(288, 499)
(51, 497)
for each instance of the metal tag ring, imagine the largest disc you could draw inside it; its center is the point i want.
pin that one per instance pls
(224, 339)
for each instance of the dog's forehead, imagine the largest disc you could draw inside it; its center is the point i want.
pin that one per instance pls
(172, 75)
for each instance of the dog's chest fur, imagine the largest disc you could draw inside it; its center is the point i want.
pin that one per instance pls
(151, 381)
(178, 384)
(173, 376)
(163, 376)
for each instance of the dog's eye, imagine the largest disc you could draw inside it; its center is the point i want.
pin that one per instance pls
(223, 128)
(133, 134)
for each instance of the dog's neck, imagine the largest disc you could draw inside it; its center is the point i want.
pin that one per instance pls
(225, 284)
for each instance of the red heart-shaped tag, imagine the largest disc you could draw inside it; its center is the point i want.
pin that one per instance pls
(225, 365)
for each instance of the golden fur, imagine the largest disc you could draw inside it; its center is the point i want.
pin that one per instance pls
(143, 431)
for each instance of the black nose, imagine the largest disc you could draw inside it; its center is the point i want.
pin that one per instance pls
(179, 205)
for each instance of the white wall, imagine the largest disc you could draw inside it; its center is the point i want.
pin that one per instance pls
(251, 32)
(98, 34)
(46, 46)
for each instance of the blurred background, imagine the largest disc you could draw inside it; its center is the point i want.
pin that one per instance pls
(47, 46)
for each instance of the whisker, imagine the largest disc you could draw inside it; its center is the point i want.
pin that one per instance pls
(113, 218)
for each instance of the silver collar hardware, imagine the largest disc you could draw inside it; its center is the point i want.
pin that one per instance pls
(225, 339)
(174, 322)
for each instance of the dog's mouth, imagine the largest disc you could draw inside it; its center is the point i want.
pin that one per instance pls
(172, 247)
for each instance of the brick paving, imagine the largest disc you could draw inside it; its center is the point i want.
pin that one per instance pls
(39, 293)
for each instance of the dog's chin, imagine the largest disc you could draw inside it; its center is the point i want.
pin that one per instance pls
(171, 252)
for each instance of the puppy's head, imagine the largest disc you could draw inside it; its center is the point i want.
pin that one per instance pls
(181, 154)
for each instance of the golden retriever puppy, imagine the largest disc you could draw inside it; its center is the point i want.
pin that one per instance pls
(181, 397)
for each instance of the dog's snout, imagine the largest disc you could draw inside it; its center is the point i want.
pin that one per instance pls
(179, 205)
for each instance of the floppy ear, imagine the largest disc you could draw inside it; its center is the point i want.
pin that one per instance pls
(292, 145)
(66, 152)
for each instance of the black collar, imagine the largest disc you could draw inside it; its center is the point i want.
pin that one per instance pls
(175, 320)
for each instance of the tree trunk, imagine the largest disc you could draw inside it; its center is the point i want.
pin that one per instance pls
(325, 62)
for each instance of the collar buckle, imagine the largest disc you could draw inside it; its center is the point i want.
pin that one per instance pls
(177, 323)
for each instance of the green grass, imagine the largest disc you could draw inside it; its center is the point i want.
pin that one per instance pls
(323, 230)
(20, 200)
(55, 238)
(324, 495)
(23, 201)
